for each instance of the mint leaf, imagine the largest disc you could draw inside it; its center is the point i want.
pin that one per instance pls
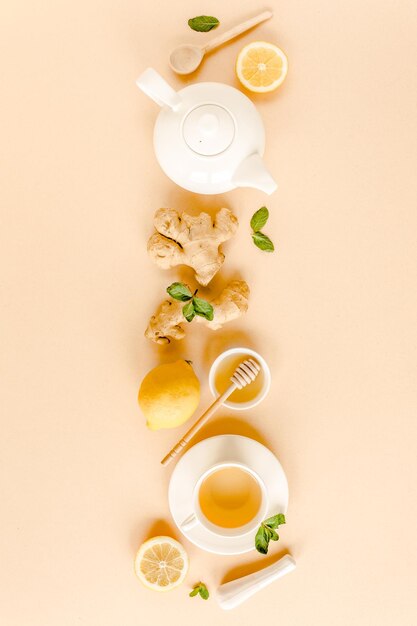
(179, 291)
(275, 521)
(203, 23)
(203, 308)
(203, 591)
(261, 540)
(188, 311)
(263, 242)
(273, 535)
(259, 219)
(194, 592)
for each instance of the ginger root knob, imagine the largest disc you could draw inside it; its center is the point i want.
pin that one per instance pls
(168, 321)
(193, 241)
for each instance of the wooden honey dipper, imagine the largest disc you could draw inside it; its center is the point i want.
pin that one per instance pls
(243, 376)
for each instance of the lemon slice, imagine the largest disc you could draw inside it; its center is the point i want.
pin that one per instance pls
(161, 563)
(261, 66)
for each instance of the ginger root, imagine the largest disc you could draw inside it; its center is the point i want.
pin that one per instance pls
(166, 324)
(194, 241)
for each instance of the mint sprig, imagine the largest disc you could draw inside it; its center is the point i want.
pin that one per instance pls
(200, 589)
(195, 306)
(258, 221)
(266, 532)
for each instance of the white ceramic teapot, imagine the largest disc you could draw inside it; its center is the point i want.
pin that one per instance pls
(208, 138)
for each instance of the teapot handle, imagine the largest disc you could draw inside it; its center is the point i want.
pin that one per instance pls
(158, 89)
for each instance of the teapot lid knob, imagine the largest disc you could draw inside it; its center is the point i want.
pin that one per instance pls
(208, 129)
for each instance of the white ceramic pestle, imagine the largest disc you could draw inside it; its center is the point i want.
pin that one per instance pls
(233, 593)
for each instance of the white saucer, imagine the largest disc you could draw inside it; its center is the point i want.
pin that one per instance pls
(205, 454)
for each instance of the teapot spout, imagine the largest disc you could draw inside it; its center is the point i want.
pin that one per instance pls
(158, 89)
(252, 172)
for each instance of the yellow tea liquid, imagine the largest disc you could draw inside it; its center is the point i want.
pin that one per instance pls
(226, 370)
(230, 497)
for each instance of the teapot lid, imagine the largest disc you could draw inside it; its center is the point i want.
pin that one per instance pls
(208, 129)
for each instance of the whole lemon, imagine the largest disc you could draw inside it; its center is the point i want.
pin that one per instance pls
(169, 395)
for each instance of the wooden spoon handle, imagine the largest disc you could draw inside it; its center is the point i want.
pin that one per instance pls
(237, 30)
(198, 424)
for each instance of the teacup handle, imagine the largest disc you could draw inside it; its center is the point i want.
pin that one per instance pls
(189, 522)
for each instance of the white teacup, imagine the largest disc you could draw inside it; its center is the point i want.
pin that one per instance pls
(197, 516)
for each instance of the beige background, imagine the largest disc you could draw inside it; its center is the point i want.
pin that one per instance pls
(333, 311)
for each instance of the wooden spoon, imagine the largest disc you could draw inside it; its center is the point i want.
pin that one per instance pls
(243, 375)
(187, 58)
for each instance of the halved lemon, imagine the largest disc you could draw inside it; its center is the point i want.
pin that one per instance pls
(161, 563)
(261, 66)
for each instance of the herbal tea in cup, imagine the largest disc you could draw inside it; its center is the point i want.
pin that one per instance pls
(230, 497)
(229, 500)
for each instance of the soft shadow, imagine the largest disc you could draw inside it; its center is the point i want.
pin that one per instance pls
(187, 79)
(228, 426)
(193, 203)
(173, 351)
(223, 277)
(262, 98)
(157, 527)
(253, 566)
(224, 339)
